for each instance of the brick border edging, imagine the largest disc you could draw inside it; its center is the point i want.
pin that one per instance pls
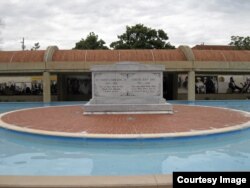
(125, 136)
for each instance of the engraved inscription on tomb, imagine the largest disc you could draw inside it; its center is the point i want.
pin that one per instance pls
(111, 84)
(144, 84)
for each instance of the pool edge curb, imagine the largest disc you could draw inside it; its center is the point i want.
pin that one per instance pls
(87, 181)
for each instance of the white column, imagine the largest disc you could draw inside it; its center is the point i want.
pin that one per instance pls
(191, 86)
(46, 87)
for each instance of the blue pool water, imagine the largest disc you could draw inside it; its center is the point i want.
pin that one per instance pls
(25, 154)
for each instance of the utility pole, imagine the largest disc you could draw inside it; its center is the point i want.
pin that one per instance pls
(23, 46)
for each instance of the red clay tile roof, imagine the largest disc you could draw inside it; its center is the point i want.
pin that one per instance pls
(169, 55)
(118, 55)
(124, 55)
(213, 47)
(222, 55)
(21, 56)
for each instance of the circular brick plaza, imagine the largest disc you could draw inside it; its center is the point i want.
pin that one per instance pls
(70, 121)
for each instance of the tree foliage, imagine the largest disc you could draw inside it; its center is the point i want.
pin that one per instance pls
(36, 46)
(241, 43)
(142, 37)
(91, 42)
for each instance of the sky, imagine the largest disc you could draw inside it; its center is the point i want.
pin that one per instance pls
(65, 22)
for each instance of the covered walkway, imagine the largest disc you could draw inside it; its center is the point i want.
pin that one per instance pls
(182, 60)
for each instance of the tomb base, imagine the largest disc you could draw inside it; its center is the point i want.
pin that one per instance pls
(128, 106)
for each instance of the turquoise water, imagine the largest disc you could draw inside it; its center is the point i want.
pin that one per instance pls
(25, 154)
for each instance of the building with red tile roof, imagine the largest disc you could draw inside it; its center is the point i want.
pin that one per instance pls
(209, 59)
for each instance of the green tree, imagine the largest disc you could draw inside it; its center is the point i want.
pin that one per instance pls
(142, 37)
(36, 46)
(240, 43)
(91, 42)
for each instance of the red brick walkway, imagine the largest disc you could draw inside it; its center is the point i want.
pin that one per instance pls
(71, 119)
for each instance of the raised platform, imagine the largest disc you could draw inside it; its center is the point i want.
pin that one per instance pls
(68, 121)
(136, 105)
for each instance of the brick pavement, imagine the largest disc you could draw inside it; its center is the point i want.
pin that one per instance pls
(71, 119)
